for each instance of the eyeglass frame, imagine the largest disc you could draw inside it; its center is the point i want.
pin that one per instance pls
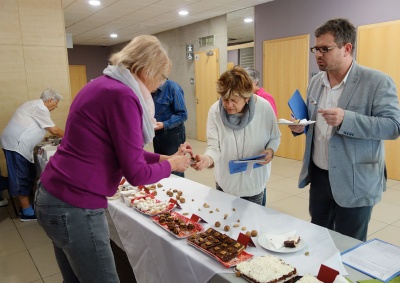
(325, 49)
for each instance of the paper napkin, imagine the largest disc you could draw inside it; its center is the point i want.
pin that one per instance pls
(277, 240)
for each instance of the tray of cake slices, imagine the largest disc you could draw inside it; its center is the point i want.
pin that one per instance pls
(219, 246)
(177, 224)
(266, 269)
(151, 206)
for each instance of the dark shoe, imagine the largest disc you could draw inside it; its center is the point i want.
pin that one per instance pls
(26, 218)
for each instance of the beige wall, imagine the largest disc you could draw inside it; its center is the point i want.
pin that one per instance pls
(183, 70)
(33, 55)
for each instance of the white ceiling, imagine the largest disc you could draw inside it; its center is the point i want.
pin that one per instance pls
(92, 25)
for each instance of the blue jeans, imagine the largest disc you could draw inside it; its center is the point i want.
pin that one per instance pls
(21, 174)
(167, 142)
(80, 239)
(325, 212)
(258, 199)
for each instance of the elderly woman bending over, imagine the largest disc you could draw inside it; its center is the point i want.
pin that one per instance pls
(240, 125)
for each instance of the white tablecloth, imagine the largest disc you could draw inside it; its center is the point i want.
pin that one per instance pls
(158, 256)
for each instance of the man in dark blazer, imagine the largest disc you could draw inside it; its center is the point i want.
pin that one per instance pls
(355, 109)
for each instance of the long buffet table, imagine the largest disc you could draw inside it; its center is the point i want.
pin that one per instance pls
(158, 256)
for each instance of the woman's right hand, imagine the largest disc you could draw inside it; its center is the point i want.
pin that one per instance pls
(179, 163)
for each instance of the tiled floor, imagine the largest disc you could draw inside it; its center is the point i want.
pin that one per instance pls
(26, 253)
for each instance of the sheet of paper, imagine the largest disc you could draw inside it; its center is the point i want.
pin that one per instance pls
(376, 258)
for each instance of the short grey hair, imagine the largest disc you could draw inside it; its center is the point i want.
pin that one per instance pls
(50, 93)
(254, 74)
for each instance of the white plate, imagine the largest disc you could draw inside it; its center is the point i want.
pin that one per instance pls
(287, 122)
(262, 240)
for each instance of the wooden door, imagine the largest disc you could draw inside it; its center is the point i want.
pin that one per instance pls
(206, 71)
(378, 48)
(285, 69)
(78, 79)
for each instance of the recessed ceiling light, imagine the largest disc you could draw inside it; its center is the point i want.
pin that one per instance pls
(94, 2)
(248, 20)
(183, 12)
(113, 35)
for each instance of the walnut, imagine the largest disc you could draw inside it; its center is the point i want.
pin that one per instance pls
(234, 209)
(217, 224)
(307, 253)
(179, 193)
(227, 228)
(211, 211)
(225, 216)
(182, 200)
(248, 234)
(254, 233)
(159, 185)
(235, 225)
(217, 209)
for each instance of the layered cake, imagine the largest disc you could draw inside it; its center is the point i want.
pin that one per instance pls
(266, 269)
(308, 279)
(218, 244)
(292, 242)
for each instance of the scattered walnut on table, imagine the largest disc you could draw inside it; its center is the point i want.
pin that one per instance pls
(248, 234)
(307, 253)
(243, 228)
(225, 216)
(182, 200)
(217, 224)
(227, 228)
(159, 185)
(235, 225)
(254, 233)
(234, 209)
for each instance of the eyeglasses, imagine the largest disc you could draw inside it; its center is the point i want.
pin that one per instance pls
(323, 49)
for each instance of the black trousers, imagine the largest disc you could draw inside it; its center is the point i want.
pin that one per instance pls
(168, 141)
(325, 212)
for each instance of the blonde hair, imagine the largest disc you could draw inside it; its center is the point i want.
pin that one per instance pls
(235, 82)
(144, 56)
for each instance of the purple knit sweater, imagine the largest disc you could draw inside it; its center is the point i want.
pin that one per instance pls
(103, 141)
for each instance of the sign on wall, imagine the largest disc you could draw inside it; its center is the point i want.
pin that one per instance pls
(189, 52)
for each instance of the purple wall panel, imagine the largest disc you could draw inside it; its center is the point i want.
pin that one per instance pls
(284, 18)
(94, 57)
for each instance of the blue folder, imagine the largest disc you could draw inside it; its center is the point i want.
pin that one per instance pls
(298, 106)
(240, 165)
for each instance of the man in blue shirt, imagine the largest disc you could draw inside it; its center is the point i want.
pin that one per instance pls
(170, 113)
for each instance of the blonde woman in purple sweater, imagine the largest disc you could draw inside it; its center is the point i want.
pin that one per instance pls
(110, 121)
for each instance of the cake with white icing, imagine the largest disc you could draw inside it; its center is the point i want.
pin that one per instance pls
(308, 279)
(266, 269)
